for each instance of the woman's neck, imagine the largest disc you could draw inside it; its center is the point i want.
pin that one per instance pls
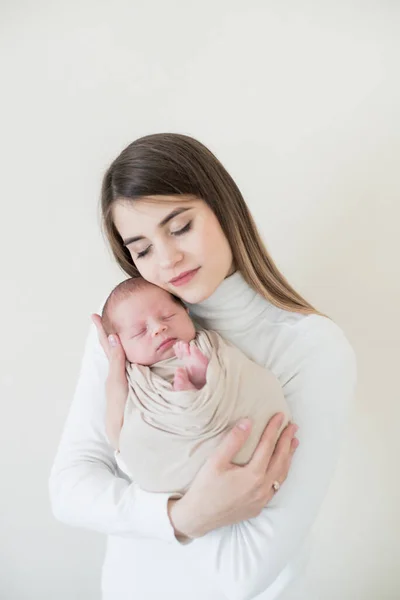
(234, 302)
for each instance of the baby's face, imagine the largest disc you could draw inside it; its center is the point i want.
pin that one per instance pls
(149, 322)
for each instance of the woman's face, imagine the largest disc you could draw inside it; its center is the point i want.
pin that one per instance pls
(176, 243)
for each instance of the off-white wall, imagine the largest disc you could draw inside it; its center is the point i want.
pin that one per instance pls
(300, 101)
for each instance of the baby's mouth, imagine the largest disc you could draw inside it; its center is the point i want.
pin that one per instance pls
(166, 344)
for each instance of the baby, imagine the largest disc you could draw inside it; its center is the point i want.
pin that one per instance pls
(153, 326)
(186, 388)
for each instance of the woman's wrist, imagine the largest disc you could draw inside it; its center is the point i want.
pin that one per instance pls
(181, 520)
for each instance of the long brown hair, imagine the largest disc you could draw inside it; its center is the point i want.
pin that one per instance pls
(171, 164)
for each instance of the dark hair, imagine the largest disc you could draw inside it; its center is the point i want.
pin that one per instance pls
(173, 164)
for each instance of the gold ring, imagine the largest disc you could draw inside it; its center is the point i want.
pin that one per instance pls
(276, 485)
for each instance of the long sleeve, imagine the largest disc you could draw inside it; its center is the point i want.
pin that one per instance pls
(85, 487)
(246, 558)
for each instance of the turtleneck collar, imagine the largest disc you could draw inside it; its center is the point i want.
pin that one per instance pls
(233, 304)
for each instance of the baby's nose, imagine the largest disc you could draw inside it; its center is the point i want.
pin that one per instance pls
(159, 328)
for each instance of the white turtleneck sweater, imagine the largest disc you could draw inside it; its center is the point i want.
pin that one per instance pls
(259, 558)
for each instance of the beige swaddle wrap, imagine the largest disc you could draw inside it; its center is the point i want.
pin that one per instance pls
(167, 435)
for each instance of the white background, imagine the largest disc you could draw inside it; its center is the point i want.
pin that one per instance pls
(300, 101)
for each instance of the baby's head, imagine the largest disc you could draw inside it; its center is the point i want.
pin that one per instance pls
(147, 319)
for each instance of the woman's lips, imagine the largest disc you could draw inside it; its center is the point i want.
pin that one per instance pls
(184, 278)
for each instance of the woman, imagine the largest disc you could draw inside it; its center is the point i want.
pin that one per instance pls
(174, 215)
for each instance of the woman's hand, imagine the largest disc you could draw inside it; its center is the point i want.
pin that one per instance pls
(116, 383)
(223, 493)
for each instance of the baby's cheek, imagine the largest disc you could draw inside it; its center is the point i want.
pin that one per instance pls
(191, 332)
(132, 354)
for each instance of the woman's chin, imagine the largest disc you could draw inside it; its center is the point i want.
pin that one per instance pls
(198, 294)
(194, 296)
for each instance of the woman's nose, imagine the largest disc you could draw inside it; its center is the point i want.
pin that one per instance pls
(169, 256)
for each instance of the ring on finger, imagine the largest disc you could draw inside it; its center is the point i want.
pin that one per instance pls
(276, 485)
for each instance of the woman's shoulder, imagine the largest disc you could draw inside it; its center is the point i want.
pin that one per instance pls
(320, 329)
(304, 334)
(311, 328)
(307, 350)
(318, 339)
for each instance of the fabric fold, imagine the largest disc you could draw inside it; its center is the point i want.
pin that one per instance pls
(168, 435)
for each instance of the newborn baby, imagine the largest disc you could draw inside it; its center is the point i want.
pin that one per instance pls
(186, 389)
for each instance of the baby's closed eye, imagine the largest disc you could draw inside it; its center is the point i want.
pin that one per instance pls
(139, 333)
(168, 317)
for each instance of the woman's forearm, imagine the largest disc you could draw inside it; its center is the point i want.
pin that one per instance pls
(180, 521)
(85, 489)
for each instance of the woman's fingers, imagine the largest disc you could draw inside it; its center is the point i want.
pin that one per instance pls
(117, 359)
(231, 444)
(294, 445)
(114, 352)
(101, 334)
(279, 464)
(262, 454)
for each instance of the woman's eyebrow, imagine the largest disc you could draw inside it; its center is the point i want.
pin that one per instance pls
(165, 220)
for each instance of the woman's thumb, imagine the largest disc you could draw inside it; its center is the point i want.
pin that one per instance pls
(117, 357)
(232, 443)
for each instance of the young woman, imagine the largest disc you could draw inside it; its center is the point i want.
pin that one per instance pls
(174, 215)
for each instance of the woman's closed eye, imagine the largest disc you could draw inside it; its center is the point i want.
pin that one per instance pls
(178, 232)
(143, 252)
(184, 229)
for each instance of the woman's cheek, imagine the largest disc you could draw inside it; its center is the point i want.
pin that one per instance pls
(196, 248)
(146, 270)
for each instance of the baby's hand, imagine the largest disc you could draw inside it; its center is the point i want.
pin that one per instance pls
(182, 381)
(194, 361)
